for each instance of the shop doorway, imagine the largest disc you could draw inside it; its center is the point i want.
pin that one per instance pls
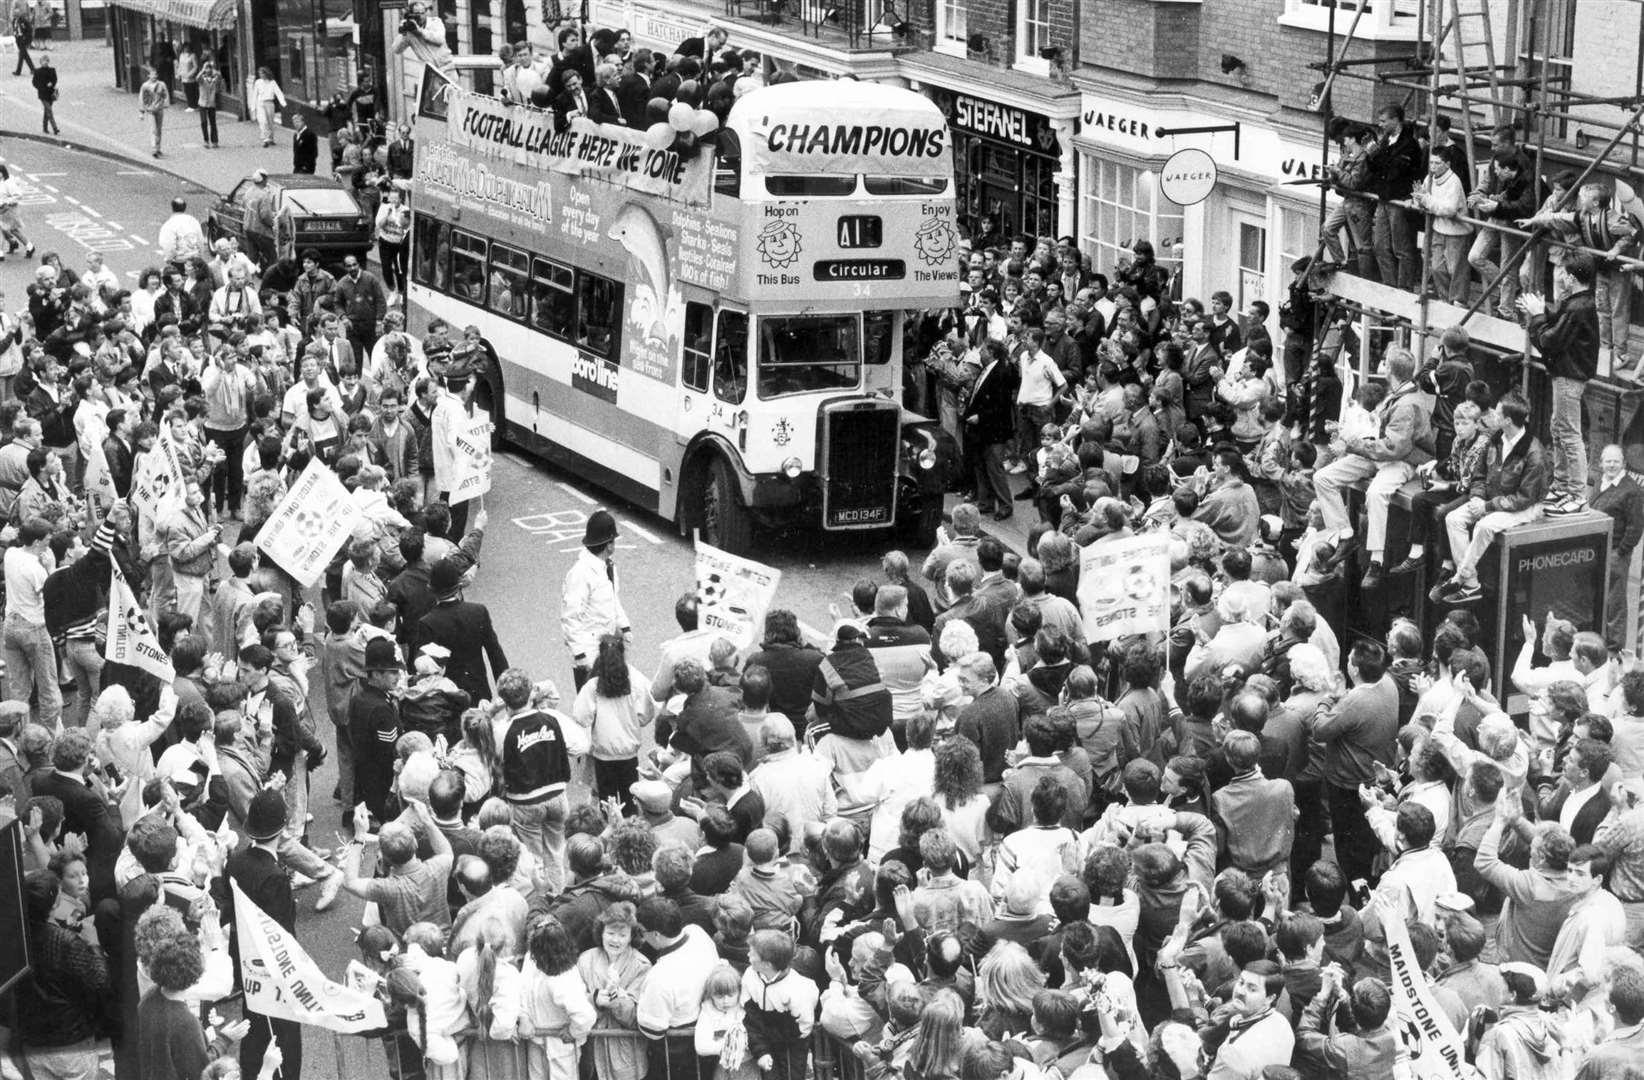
(1250, 241)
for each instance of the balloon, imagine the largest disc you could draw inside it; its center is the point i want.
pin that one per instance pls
(679, 116)
(690, 92)
(656, 110)
(659, 136)
(540, 97)
(704, 122)
(685, 144)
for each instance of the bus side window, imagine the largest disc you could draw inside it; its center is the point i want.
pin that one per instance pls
(433, 247)
(507, 281)
(699, 326)
(731, 357)
(468, 266)
(599, 308)
(876, 336)
(553, 304)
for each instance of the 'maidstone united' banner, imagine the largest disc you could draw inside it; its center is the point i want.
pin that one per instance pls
(609, 152)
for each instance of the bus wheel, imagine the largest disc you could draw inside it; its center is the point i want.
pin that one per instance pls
(721, 519)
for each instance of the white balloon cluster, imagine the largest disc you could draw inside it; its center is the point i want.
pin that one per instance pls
(682, 119)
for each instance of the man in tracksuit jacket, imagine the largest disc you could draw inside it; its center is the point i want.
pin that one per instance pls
(535, 771)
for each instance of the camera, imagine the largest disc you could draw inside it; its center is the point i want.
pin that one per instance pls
(411, 24)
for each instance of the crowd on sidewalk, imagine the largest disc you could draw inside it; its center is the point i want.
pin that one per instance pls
(968, 840)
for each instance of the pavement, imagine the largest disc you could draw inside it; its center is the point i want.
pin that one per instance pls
(99, 117)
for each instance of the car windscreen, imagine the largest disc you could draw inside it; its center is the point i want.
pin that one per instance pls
(321, 201)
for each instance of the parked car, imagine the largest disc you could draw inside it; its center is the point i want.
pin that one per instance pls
(303, 213)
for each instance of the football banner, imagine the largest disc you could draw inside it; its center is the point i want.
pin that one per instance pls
(733, 594)
(1435, 1050)
(471, 464)
(1124, 587)
(157, 482)
(282, 982)
(130, 639)
(311, 524)
(98, 480)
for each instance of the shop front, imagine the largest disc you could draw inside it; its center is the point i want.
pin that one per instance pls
(1013, 160)
(1256, 213)
(153, 32)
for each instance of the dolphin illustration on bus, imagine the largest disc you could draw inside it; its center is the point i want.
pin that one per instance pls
(639, 234)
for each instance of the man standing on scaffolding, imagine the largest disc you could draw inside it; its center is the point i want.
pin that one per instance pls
(1601, 227)
(1396, 166)
(1567, 336)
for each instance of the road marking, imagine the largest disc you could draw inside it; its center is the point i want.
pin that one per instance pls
(92, 235)
(138, 239)
(76, 202)
(652, 537)
(90, 211)
(37, 175)
(51, 189)
(134, 172)
(575, 494)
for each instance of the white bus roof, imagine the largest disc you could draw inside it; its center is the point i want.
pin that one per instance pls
(843, 126)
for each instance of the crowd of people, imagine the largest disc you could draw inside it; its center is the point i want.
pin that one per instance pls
(962, 839)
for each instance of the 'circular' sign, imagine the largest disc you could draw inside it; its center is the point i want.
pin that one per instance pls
(1188, 177)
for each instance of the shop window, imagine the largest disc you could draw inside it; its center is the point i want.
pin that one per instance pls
(553, 304)
(699, 343)
(599, 310)
(1122, 205)
(431, 260)
(731, 357)
(508, 283)
(1383, 20)
(468, 267)
(315, 47)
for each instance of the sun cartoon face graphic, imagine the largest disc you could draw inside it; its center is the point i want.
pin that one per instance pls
(780, 244)
(935, 242)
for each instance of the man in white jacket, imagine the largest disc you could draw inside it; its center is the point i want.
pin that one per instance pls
(1442, 195)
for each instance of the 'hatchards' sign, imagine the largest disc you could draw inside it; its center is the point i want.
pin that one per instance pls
(606, 152)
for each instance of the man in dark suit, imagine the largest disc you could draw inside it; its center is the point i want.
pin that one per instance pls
(990, 419)
(571, 103)
(680, 68)
(257, 871)
(463, 627)
(305, 147)
(1618, 495)
(633, 90)
(1579, 802)
(705, 47)
(604, 107)
(85, 810)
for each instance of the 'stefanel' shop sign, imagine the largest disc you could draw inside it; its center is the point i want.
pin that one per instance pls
(607, 152)
(1004, 122)
(1188, 176)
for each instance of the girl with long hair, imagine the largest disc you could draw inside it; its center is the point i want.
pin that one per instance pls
(613, 973)
(958, 791)
(938, 1046)
(556, 1015)
(491, 984)
(476, 756)
(612, 707)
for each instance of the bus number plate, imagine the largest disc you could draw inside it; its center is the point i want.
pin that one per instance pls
(860, 231)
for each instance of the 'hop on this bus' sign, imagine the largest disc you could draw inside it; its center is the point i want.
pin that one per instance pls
(609, 152)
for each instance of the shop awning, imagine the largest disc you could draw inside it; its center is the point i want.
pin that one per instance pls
(205, 14)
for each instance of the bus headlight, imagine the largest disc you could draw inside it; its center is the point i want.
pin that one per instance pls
(927, 458)
(792, 468)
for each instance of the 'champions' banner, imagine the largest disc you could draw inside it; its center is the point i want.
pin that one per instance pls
(609, 152)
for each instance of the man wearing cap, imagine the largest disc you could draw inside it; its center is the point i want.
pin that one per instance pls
(654, 801)
(374, 726)
(464, 628)
(589, 605)
(257, 871)
(535, 771)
